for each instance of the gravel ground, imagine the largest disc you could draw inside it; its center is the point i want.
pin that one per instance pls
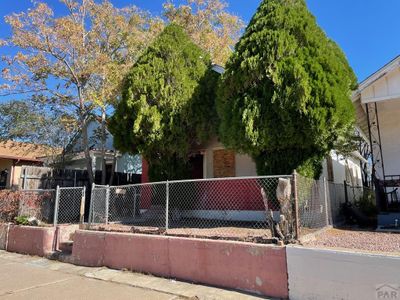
(224, 233)
(357, 239)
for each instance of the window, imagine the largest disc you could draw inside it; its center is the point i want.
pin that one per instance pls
(223, 163)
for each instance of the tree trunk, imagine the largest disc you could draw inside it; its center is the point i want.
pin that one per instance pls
(103, 147)
(88, 158)
(85, 139)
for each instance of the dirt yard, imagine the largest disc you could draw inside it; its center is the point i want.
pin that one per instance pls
(357, 239)
(262, 236)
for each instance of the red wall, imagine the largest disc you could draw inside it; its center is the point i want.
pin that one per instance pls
(258, 268)
(229, 195)
(240, 194)
(145, 171)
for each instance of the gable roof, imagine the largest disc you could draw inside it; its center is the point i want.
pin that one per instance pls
(23, 151)
(391, 65)
(359, 106)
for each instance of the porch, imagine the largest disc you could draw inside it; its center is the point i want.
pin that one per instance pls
(377, 104)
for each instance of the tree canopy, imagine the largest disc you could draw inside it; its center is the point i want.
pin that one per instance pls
(165, 102)
(74, 62)
(285, 96)
(29, 122)
(209, 24)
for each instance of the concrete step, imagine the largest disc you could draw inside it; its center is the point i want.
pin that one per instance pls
(66, 247)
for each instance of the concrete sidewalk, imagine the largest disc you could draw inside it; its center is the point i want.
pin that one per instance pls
(23, 277)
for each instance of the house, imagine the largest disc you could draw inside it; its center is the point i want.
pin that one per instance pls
(244, 201)
(377, 103)
(15, 154)
(74, 156)
(212, 160)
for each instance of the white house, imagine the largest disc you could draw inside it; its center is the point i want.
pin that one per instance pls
(216, 161)
(377, 102)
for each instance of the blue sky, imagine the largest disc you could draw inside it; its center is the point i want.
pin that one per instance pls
(367, 30)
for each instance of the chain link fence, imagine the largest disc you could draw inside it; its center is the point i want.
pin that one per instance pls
(69, 205)
(38, 204)
(241, 208)
(141, 204)
(337, 197)
(47, 206)
(226, 208)
(313, 204)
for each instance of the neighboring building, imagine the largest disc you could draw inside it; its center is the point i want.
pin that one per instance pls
(15, 154)
(377, 102)
(75, 157)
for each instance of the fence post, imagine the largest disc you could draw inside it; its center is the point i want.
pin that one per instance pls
(82, 210)
(326, 202)
(107, 202)
(55, 221)
(167, 207)
(296, 205)
(346, 196)
(25, 179)
(91, 205)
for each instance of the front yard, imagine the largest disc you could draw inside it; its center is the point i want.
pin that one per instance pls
(243, 234)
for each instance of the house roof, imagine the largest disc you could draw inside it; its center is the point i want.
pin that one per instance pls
(391, 65)
(361, 114)
(23, 151)
(218, 68)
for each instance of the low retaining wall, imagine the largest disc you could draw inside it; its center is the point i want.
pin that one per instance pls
(329, 274)
(3, 236)
(31, 240)
(244, 266)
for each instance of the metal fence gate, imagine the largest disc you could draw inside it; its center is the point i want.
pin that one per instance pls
(69, 205)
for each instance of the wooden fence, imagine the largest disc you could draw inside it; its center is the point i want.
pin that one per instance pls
(33, 177)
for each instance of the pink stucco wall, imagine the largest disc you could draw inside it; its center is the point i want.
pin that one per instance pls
(31, 240)
(3, 236)
(243, 266)
(258, 268)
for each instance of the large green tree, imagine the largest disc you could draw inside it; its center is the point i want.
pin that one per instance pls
(285, 96)
(164, 106)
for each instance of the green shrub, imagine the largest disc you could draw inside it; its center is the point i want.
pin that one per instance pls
(21, 220)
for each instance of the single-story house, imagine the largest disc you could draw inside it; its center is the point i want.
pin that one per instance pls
(13, 155)
(212, 160)
(243, 201)
(377, 102)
